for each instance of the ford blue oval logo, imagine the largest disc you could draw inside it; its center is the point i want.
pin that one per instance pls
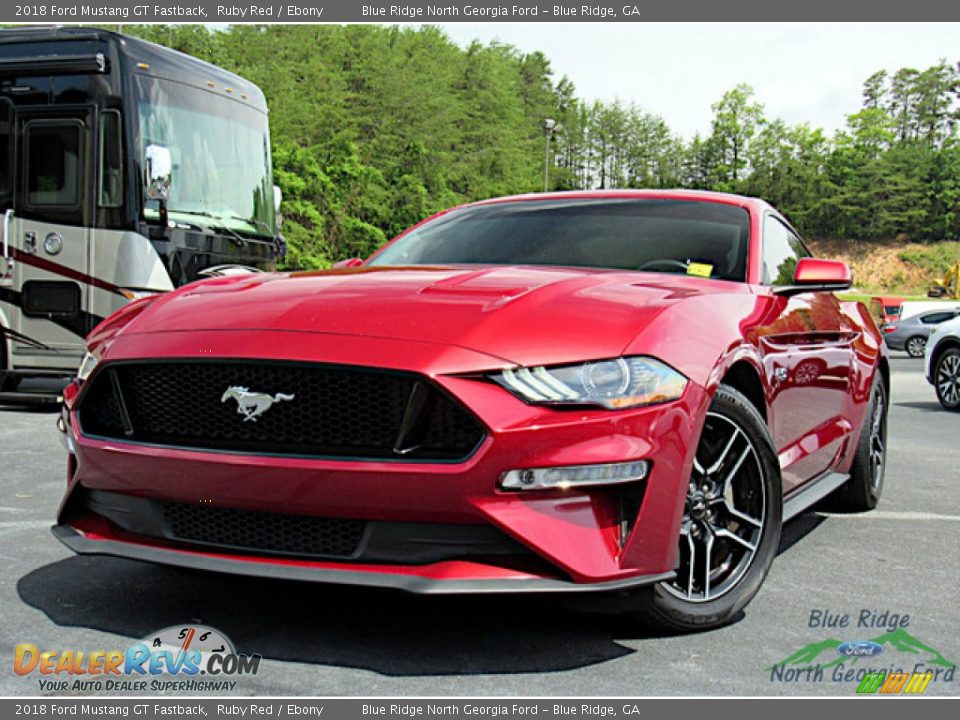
(860, 648)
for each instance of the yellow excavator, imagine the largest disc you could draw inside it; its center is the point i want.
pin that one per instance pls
(948, 286)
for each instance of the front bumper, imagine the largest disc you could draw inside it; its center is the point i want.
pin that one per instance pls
(582, 539)
(447, 578)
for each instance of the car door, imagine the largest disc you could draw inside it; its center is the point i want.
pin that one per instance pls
(807, 350)
(49, 236)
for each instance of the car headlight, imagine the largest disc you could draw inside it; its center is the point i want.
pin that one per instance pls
(617, 383)
(87, 365)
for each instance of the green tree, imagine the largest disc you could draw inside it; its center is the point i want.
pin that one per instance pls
(736, 118)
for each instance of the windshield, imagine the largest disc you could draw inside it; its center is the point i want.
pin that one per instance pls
(699, 238)
(220, 150)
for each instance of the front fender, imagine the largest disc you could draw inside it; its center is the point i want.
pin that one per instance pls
(704, 336)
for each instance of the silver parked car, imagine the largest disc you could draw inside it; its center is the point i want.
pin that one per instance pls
(911, 334)
(942, 363)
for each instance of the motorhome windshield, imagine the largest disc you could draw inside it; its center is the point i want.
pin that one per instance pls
(220, 150)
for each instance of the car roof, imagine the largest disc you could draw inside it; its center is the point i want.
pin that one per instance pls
(666, 194)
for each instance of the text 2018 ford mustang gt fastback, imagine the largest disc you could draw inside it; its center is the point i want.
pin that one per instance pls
(610, 391)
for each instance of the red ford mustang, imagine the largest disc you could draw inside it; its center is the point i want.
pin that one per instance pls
(610, 391)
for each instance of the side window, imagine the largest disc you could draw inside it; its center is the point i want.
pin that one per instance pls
(6, 147)
(111, 161)
(781, 251)
(936, 318)
(53, 154)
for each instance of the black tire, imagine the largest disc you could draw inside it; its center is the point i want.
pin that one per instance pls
(946, 378)
(862, 492)
(915, 346)
(8, 383)
(744, 470)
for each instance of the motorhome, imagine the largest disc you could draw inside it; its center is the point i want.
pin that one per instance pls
(126, 168)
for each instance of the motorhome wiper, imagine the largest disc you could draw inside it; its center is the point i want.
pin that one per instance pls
(251, 221)
(233, 235)
(276, 238)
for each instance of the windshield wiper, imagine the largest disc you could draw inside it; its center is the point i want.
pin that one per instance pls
(278, 241)
(232, 234)
(251, 221)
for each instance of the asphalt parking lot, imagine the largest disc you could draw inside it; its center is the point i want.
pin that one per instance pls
(899, 560)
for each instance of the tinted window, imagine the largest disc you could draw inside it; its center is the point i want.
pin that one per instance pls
(6, 145)
(934, 318)
(111, 166)
(53, 164)
(781, 251)
(672, 236)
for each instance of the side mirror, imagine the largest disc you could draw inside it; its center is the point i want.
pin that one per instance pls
(817, 275)
(351, 263)
(277, 199)
(157, 172)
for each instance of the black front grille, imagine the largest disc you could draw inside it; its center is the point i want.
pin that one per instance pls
(311, 410)
(261, 531)
(212, 527)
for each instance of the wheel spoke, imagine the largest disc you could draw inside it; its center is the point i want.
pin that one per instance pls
(723, 455)
(733, 471)
(724, 533)
(743, 517)
(693, 557)
(706, 565)
(698, 467)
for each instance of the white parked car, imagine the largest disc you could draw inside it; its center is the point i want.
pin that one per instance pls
(942, 363)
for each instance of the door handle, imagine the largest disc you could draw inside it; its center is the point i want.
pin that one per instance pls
(30, 242)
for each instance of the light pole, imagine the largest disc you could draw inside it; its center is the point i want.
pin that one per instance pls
(550, 126)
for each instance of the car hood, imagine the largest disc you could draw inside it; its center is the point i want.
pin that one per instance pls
(519, 315)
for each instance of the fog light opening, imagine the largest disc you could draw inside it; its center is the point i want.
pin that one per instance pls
(572, 476)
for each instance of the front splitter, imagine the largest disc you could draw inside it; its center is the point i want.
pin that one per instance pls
(291, 570)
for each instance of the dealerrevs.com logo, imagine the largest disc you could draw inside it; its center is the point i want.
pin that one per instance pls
(182, 658)
(890, 662)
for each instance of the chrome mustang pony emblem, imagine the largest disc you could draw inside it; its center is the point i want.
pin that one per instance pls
(252, 404)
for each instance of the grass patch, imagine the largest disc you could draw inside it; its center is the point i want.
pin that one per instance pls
(934, 259)
(865, 297)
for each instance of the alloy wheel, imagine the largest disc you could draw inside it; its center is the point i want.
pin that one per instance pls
(948, 379)
(724, 515)
(916, 346)
(878, 440)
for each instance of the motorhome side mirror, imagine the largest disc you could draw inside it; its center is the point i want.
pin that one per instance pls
(277, 199)
(818, 275)
(351, 263)
(158, 172)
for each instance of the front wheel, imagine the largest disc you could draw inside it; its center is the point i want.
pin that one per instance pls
(915, 346)
(8, 383)
(731, 522)
(946, 376)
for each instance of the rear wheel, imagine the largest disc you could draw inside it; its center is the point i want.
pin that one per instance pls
(915, 346)
(862, 492)
(731, 523)
(946, 378)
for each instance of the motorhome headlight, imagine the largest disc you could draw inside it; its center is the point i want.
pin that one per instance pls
(616, 383)
(136, 294)
(87, 365)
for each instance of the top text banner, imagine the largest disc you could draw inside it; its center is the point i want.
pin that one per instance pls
(352, 11)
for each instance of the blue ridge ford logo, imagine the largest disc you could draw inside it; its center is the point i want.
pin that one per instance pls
(860, 648)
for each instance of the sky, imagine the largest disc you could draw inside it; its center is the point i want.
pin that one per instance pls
(801, 72)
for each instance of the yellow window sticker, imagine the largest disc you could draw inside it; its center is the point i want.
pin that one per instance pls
(700, 269)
